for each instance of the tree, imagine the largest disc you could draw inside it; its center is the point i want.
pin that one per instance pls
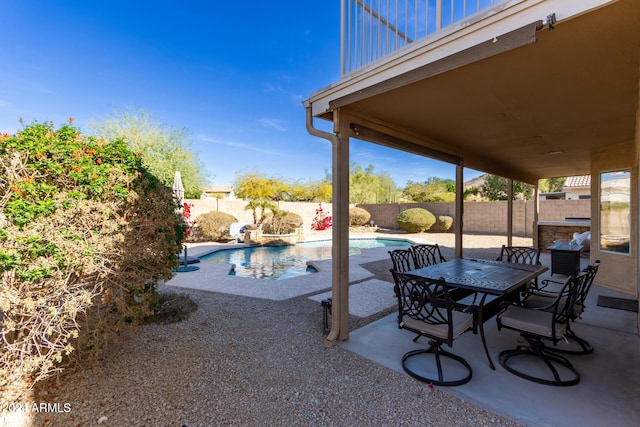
(496, 188)
(433, 189)
(309, 192)
(322, 191)
(257, 186)
(163, 150)
(551, 185)
(262, 205)
(365, 186)
(387, 191)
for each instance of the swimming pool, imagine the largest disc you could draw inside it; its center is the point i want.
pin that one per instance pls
(284, 262)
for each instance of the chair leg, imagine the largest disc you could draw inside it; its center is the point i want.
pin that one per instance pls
(563, 372)
(585, 346)
(436, 349)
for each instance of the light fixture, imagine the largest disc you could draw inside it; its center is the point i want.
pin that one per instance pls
(554, 152)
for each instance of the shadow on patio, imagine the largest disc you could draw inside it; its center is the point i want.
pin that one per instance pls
(606, 395)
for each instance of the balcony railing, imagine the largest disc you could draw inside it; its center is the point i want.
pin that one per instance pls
(372, 29)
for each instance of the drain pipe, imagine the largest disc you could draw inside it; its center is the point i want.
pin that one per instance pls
(336, 315)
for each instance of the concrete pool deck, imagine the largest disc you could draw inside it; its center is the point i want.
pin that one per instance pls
(370, 295)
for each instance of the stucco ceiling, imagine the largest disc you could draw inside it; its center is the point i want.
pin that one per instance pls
(572, 93)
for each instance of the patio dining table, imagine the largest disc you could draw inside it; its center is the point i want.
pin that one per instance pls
(502, 280)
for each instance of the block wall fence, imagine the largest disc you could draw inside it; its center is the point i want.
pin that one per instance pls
(479, 217)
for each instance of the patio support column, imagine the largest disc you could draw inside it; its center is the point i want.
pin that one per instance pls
(510, 212)
(340, 229)
(340, 234)
(457, 224)
(536, 212)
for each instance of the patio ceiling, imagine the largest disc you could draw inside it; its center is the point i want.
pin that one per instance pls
(536, 111)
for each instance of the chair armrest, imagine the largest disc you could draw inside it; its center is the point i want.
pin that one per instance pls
(540, 290)
(473, 310)
(546, 283)
(543, 293)
(544, 307)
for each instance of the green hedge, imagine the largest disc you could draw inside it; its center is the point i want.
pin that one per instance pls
(415, 220)
(358, 217)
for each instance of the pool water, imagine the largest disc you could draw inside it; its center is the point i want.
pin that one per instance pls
(284, 262)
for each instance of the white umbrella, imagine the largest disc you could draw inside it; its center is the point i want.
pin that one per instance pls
(178, 194)
(178, 189)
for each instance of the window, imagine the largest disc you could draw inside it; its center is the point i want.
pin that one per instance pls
(615, 211)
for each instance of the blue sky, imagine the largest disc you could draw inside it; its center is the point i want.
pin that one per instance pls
(234, 74)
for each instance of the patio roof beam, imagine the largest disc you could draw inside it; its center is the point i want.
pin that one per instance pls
(363, 132)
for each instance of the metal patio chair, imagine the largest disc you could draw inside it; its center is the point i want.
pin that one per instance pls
(425, 255)
(536, 326)
(521, 255)
(426, 309)
(543, 299)
(402, 260)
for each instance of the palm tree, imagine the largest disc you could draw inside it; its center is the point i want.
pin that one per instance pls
(263, 205)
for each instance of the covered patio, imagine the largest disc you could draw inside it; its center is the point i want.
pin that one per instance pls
(531, 90)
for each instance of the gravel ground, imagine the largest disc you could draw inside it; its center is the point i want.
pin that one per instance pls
(250, 362)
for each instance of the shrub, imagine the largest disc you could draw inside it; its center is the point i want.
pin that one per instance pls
(358, 217)
(281, 222)
(445, 222)
(214, 225)
(415, 220)
(171, 307)
(84, 228)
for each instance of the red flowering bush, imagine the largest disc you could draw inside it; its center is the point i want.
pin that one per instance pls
(321, 221)
(83, 227)
(186, 217)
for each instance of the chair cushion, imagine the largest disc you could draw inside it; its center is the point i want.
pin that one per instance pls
(537, 322)
(461, 323)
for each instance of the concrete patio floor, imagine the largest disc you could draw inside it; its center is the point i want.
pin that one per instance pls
(607, 394)
(610, 377)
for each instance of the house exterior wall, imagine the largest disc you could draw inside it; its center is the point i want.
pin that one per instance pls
(636, 204)
(617, 271)
(575, 193)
